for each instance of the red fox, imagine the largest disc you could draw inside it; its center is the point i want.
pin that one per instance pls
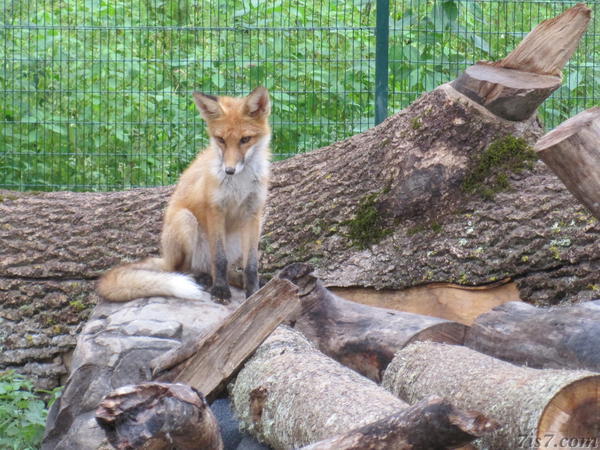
(214, 216)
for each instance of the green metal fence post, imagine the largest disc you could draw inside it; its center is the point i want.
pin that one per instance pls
(382, 32)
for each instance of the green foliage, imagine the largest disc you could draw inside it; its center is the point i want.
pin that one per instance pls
(490, 175)
(22, 412)
(96, 93)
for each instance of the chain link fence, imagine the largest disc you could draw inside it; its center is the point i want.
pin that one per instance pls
(96, 93)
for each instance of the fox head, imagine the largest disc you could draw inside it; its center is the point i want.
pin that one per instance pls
(238, 127)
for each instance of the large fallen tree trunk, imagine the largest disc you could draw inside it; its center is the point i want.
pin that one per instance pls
(550, 405)
(393, 209)
(290, 395)
(566, 337)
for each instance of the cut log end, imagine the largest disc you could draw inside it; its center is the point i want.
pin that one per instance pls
(567, 129)
(571, 150)
(507, 93)
(573, 413)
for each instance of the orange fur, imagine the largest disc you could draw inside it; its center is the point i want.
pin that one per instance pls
(214, 215)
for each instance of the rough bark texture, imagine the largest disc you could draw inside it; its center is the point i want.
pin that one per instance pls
(289, 394)
(525, 401)
(396, 190)
(159, 416)
(430, 424)
(572, 151)
(565, 337)
(365, 338)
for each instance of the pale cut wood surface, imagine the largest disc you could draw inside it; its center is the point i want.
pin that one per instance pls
(572, 151)
(550, 45)
(453, 302)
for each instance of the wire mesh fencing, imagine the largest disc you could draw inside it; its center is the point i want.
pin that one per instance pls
(96, 93)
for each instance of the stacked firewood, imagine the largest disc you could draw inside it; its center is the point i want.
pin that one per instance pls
(305, 368)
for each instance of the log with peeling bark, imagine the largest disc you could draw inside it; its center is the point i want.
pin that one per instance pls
(158, 415)
(209, 362)
(366, 338)
(564, 337)
(390, 213)
(290, 395)
(572, 151)
(429, 424)
(530, 403)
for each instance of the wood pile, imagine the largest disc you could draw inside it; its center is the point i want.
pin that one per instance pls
(306, 368)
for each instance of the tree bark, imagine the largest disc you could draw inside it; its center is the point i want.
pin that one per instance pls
(208, 363)
(566, 337)
(365, 338)
(531, 404)
(158, 416)
(390, 212)
(430, 424)
(572, 151)
(289, 394)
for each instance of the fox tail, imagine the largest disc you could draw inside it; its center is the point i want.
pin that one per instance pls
(146, 278)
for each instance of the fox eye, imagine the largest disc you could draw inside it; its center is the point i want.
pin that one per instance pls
(221, 140)
(245, 139)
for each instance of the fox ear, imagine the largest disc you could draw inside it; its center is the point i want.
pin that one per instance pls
(258, 103)
(208, 105)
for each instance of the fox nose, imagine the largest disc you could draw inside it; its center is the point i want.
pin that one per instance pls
(229, 170)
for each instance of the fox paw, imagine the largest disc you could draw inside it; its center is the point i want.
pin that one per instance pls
(221, 294)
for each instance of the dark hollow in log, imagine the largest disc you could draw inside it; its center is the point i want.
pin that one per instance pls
(429, 424)
(572, 151)
(508, 93)
(366, 338)
(209, 362)
(158, 415)
(530, 403)
(564, 337)
(289, 394)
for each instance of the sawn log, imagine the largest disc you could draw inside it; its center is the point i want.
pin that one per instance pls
(551, 406)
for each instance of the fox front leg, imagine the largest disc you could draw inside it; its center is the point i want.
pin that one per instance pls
(250, 255)
(220, 287)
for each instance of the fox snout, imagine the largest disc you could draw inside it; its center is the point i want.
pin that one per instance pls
(229, 170)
